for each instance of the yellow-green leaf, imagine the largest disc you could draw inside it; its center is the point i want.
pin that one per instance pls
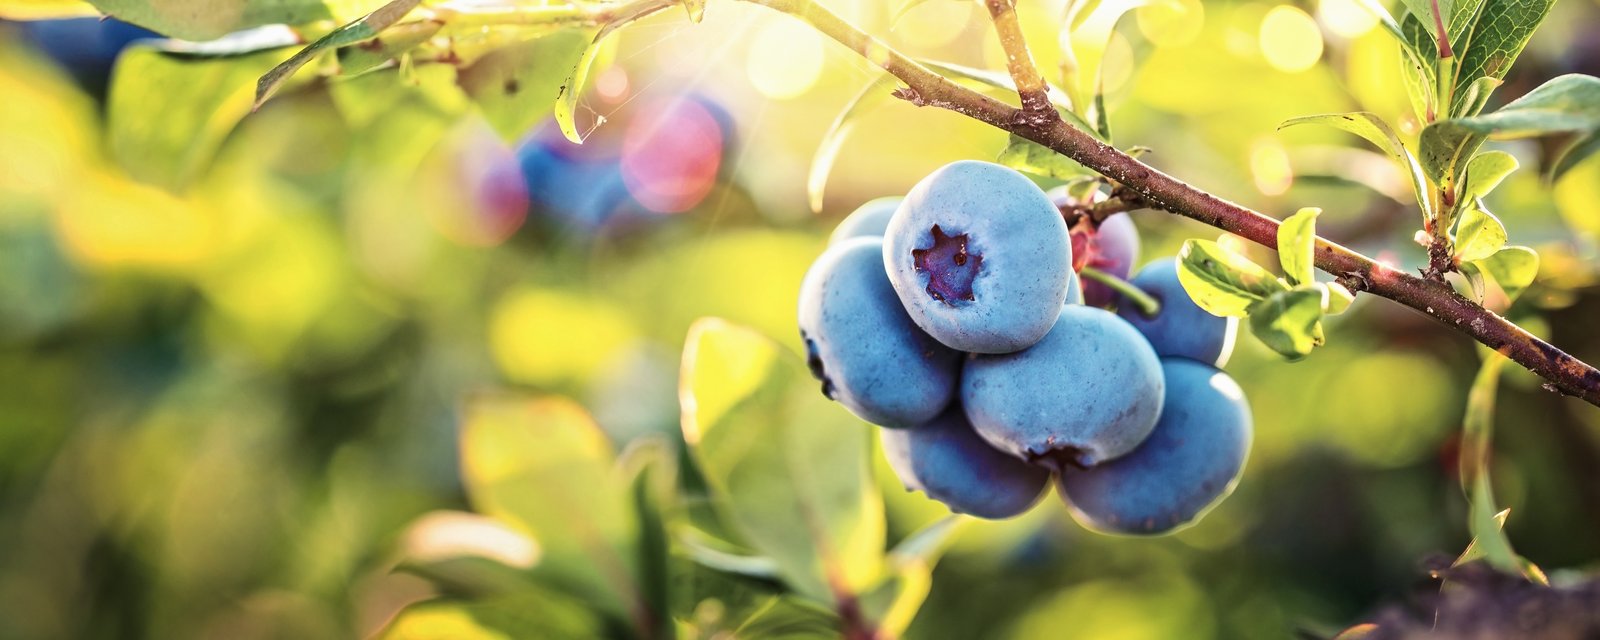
(788, 467)
(1373, 129)
(1339, 298)
(168, 115)
(872, 95)
(516, 86)
(1513, 268)
(544, 465)
(1290, 322)
(1222, 282)
(1479, 234)
(1297, 242)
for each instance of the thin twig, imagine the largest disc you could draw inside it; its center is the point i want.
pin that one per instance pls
(1031, 87)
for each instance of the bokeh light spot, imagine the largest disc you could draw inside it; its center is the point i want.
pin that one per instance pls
(785, 59)
(1346, 17)
(1270, 168)
(671, 154)
(1171, 23)
(934, 24)
(1290, 39)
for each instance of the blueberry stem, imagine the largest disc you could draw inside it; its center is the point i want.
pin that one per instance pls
(1147, 305)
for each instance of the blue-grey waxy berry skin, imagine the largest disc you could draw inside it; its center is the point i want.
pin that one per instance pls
(1182, 328)
(1088, 392)
(980, 257)
(1188, 464)
(1074, 289)
(948, 462)
(864, 348)
(869, 220)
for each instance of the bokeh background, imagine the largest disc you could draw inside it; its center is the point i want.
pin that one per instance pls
(234, 352)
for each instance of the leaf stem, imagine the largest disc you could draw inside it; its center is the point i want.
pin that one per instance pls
(1147, 304)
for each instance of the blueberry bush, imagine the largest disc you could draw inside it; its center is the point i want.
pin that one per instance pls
(722, 319)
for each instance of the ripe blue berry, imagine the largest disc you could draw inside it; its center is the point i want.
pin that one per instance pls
(1114, 248)
(1191, 460)
(947, 461)
(869, 220)
(979, 257)
(862, 345)
(1182, 328)
(1090, 391)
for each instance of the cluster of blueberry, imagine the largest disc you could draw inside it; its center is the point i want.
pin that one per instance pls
(955, 319)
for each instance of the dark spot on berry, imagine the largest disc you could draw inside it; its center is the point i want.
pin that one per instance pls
(814, 363)
(950, 267)
(512, 86)
(1059, 459)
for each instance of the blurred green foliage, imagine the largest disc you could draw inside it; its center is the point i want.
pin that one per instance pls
(238, 350)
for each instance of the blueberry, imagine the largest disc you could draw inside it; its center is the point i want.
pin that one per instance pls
(1088, 392)
(947, 461)
(86, 47)
(577, 190)
(1191, 460)
(1114, 247)
(867, 221)
(979, 257)
(862, 345)
(1182, 328)
(1074, 289)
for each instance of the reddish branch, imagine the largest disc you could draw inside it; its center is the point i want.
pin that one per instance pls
(1158, 190)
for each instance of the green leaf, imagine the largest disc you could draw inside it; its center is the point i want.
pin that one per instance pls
(1474, 276)
(1222, 282)
(1476, 97)
(1028, 156)
(1089, 26)
(1568, 104)
(396, 41)
(872, 95)
(516, 86)
(1486, 521)
(1484, 173)
(697, 547)
(1297, 243)
(1479, 234)
(188, 20)
(894, 602)
(1580, 150)
(1423, 9)
(568, 92)
(1513, 268)
(366, 28)
(168, 115)
(544, 465)
(650, 465)
(1486, 41)
(1420, 67)
(1490, 42)
(1290, 322)
(1373, 129)
(530, 613)
(1339, 298)
(789, 618)
(790, 468)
